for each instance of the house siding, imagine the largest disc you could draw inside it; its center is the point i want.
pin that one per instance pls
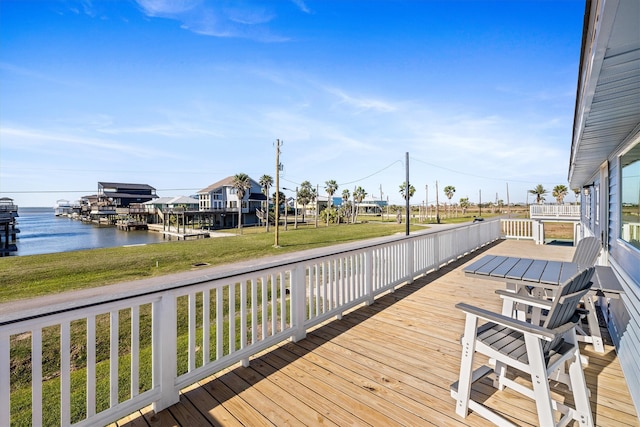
(623, 314)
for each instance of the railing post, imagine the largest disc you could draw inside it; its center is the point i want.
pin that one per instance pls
(409, 247)
(298, 302)
(368, 276)
(165, 348)
(436, 251)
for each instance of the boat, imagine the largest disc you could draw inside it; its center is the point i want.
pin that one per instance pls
(62, 207)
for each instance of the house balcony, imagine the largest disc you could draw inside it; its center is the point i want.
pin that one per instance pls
(555, 212)
(357, 334)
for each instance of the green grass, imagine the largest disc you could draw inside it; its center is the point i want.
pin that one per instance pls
(35, 275)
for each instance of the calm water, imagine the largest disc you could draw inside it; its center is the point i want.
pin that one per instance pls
(41, 232)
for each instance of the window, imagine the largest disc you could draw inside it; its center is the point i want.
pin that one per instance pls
(630, 202)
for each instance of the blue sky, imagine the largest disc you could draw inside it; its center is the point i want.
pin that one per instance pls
(180, 94)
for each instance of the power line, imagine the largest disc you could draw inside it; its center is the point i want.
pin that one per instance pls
(479, 176)
(84, 191)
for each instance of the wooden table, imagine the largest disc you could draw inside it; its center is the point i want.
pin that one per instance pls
(522, 274)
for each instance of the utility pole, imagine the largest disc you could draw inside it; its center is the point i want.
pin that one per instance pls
(508, 203)
(437, 205)
(317, 203)
(406, 194)
(381, 211)
(426, 203)
(278, 144)
(480, 203)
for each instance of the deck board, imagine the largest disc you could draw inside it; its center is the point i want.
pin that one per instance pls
(389, 364)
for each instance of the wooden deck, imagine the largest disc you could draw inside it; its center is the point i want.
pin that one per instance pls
(384, 365)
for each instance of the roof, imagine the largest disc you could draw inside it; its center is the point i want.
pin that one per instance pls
(607, 113)
(177, 200)
(226, 182)
(122, 195)
(125, 186)
(257, 196)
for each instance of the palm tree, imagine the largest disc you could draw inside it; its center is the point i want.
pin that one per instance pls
(448, 191)
(266, 181)
(539, 192)
(331, 187)
(576, 193)
(559, 192)
(358, 196)
(241, 183)
(346, 195)
(406, 195)
(305, 196)
(464, 204)
(403, 190)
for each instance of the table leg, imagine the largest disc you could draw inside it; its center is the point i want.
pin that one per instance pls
(594, 327)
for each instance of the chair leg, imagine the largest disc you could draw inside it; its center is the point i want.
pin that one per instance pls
(466, 365)
(540, 380)
(501, 372)
(579, 387)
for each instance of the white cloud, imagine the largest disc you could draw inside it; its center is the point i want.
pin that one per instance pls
(301, 5)
(362, 103)
(168, 8)
(18, 138)
(217, 19)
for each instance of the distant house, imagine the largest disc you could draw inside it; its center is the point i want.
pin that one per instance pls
(605, 162)
(122, 194)
(221, 199)
(179, 202)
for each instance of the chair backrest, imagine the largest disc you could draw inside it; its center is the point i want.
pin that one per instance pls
(587, 251)
(566, 302)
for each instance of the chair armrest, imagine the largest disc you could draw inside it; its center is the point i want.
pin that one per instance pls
(524, 299)
(515, 324)
(563, 329)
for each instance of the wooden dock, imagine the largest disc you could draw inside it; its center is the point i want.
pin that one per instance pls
(388, 364)
(185, 236)
(128, 225)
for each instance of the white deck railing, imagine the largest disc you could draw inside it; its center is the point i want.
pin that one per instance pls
(517, 229)
(555, 211)
(631, 231)
(239, 314)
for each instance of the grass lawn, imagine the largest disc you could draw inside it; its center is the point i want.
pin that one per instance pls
(35, 275)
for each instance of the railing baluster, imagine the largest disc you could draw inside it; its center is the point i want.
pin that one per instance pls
(274, 305)
(232, 317)
(91, 366)
(316, 290)
(219, 323)
(192, 332)
(36, 376)
(135, 350)
(254, 309)
(113, 358)
(65, 373)
(5, 379)
(206, 326)
(283, 301)
(243, 314)
(264, 308)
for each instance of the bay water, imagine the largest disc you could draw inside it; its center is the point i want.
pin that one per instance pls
(42, 232)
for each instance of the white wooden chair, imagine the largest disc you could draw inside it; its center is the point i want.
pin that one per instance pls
(538, 351)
